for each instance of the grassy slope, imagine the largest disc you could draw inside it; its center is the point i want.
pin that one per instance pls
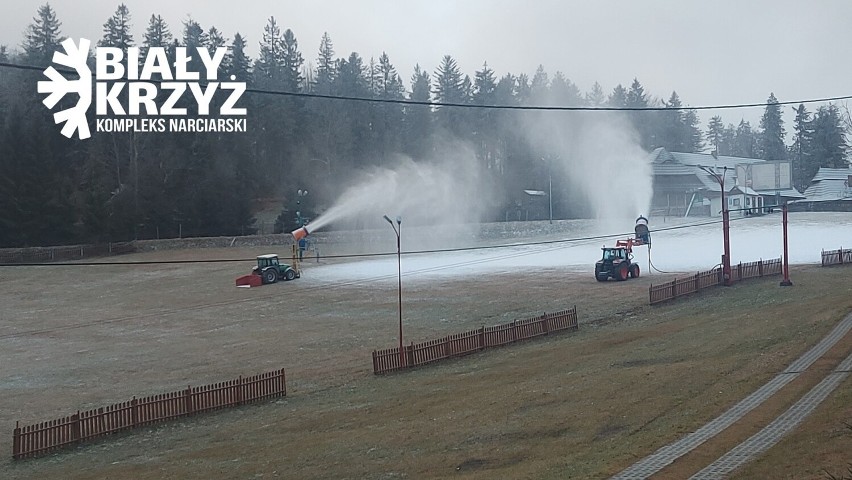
(584, 405)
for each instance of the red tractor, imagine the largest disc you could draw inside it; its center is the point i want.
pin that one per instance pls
(617, 262)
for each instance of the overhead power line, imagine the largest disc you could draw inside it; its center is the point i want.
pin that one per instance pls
(467, 105)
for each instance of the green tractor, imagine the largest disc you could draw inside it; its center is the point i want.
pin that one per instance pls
(271, 270)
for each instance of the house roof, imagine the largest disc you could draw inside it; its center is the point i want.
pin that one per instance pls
(685, 164)
(832, 174)
(830, 184)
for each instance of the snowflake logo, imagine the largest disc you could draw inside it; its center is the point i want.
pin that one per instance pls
(58, 86)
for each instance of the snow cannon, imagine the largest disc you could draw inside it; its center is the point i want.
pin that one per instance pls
(300, 233)
(642, 232)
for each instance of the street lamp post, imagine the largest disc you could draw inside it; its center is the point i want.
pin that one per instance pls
(398, 231)
(726, 237)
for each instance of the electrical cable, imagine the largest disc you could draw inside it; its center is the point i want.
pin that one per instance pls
(356, 255)
(465, 105)
(555, 245)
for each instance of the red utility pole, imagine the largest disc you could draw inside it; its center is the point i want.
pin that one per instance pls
(726, 233)
(726, 224)
(786, 282)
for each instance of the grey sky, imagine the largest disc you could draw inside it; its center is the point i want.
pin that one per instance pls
(725, 51)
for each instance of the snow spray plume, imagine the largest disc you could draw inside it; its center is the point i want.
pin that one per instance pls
(445, 191)
(600, 157)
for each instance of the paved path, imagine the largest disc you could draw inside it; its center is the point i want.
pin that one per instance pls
(772, 433)
(671, 452)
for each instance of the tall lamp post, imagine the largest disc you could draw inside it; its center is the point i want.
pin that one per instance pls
(397, 231)
(726, 257)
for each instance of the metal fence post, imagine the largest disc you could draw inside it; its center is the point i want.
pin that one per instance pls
(75, 428)
(134, 414)
(187, 400)
(16, 441)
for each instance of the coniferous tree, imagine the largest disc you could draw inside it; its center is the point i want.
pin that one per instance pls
(449, 88)
(618, 97)
(42, 37)
(692, 126)
(267, 68)
(418, 119)
(830, 146)
(726, 143)
(771, 139)
(716, 133)
(596, 97)
(117, 30)
(156, 35)
(801, 151)
(237, 61)
(291, 62)
(745, 142)
(326, 68)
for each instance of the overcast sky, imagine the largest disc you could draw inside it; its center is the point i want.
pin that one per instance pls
(720, 52)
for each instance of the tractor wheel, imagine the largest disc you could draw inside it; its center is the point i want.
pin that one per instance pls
(623, 272)
(290, 274)
(634, 271)
(599, 275)
(270, 276)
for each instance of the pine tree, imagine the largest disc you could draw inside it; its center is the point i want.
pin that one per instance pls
(326, 70)
(596, 97)
(692, 126)
(830, 146)
(745, 142)
(801, 152)
(418, 119)
(267, 68)
(771, 139)
(715, 133)
(237, 61)
(643, 121)
(563, 91)
(539, 86)
(291, 62)
(449, 88)
(728, 139)
(156, 35)
(117, 30)
(42, 36)
(672, 133)
(618, 97)
(215, 39)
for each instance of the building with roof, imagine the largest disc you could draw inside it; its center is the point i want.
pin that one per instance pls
(752, 186)
(830, 190)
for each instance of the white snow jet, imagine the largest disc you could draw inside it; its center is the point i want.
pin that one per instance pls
(600, 156)
(429, 193)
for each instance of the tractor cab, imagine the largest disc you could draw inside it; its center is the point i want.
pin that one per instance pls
(612, 254)
(264, 261)
(271, 270)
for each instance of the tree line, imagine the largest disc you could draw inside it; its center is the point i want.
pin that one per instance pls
(125, 185)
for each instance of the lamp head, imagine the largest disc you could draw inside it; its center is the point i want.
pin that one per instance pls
(398, 220)
(388, 219)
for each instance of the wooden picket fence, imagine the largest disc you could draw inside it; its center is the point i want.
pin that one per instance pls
(685, 285)
(836, 257)
(44, 437)
(459, 344)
